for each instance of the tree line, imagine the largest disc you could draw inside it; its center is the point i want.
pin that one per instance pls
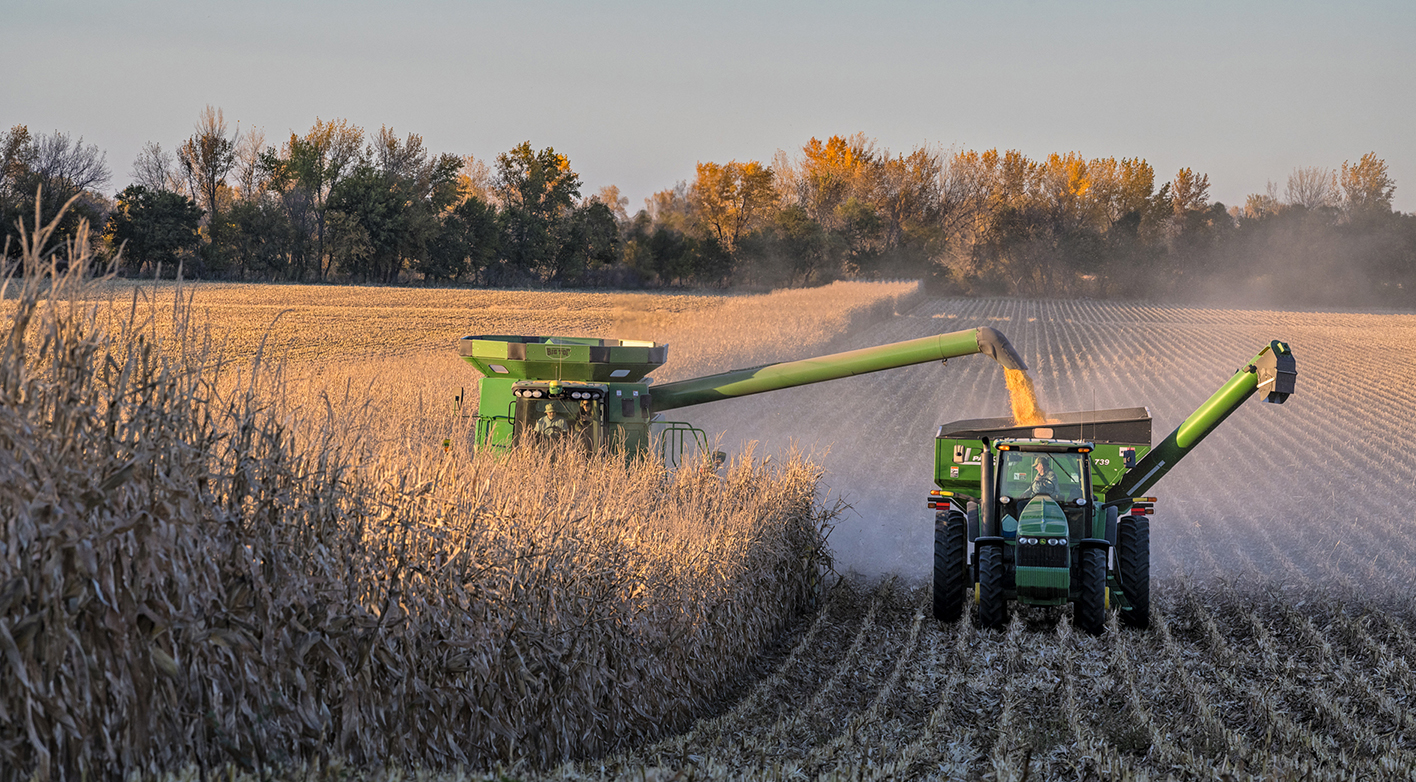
(340, 204)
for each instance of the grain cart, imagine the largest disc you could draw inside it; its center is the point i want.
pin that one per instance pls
(599, 391)
(1054, 514)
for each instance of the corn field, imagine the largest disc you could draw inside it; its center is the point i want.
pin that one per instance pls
(274, 570)
(201, 568)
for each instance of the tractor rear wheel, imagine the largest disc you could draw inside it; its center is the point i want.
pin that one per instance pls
(950, 547)
(992, 604)
(1133, 562)
(1090, 610)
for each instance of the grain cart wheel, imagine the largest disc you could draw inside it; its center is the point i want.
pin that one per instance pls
(992, 605)
(1133, 562)
(950, 546)
(1090, 611)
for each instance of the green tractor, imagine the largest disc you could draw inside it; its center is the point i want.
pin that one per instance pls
(1054, 514)
(598, 392)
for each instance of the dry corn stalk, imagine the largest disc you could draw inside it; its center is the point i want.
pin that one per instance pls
(195, 568)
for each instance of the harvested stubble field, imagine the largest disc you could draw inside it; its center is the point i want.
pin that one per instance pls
(1284, 566)
(1282, 638)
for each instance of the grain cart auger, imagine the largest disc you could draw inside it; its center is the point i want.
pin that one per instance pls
(597, 390)
(1054, 514)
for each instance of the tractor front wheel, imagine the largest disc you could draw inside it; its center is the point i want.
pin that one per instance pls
(992, 604)
(950, 547)
(1091, 596)
(1133, 562)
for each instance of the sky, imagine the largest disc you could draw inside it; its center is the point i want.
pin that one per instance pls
(636, 93)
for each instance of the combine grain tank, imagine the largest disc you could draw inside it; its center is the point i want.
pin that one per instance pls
(598, 390)
(1055, 514)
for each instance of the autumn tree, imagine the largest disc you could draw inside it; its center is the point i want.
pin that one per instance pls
(389, 206)
(1367, 188)
(467, 242)
(832, 172)
(729, 199)
(1312, 188)
(304, 173)
(206, 158)
(156, 169)
(609, 195)
(52, 168)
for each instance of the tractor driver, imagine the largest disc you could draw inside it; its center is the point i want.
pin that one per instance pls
(553, 425)
(1044, 479)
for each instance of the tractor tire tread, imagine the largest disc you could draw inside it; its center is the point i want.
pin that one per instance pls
(1133, 564)
(950, 568)
(992, 601)
(1090, 609)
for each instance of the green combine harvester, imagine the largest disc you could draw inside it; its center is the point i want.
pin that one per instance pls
(598, 390)
(1054, 514)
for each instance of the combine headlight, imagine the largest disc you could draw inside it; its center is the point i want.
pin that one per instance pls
(536, 393)
(575, 394)
(1004, 500)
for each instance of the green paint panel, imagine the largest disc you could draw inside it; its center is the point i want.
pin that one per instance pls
(1043, 585)
(1042, 517)
(1214, 410)
(585, 359)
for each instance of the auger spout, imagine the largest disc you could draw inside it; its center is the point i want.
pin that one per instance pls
(789, 374)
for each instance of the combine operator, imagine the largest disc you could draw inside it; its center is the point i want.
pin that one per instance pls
(553, 425)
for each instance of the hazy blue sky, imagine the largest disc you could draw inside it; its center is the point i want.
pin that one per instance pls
(637, 92)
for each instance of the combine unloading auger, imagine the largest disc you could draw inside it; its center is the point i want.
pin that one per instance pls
(598, 390)
(789, 374)
(1030, 514)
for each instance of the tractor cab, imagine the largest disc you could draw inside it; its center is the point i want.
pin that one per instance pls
(1038, 479)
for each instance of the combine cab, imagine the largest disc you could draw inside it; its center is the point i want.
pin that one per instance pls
(1053, 514)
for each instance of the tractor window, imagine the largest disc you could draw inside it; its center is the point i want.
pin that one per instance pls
(1058, 475)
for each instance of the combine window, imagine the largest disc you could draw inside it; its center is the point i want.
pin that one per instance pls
(583, 420)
